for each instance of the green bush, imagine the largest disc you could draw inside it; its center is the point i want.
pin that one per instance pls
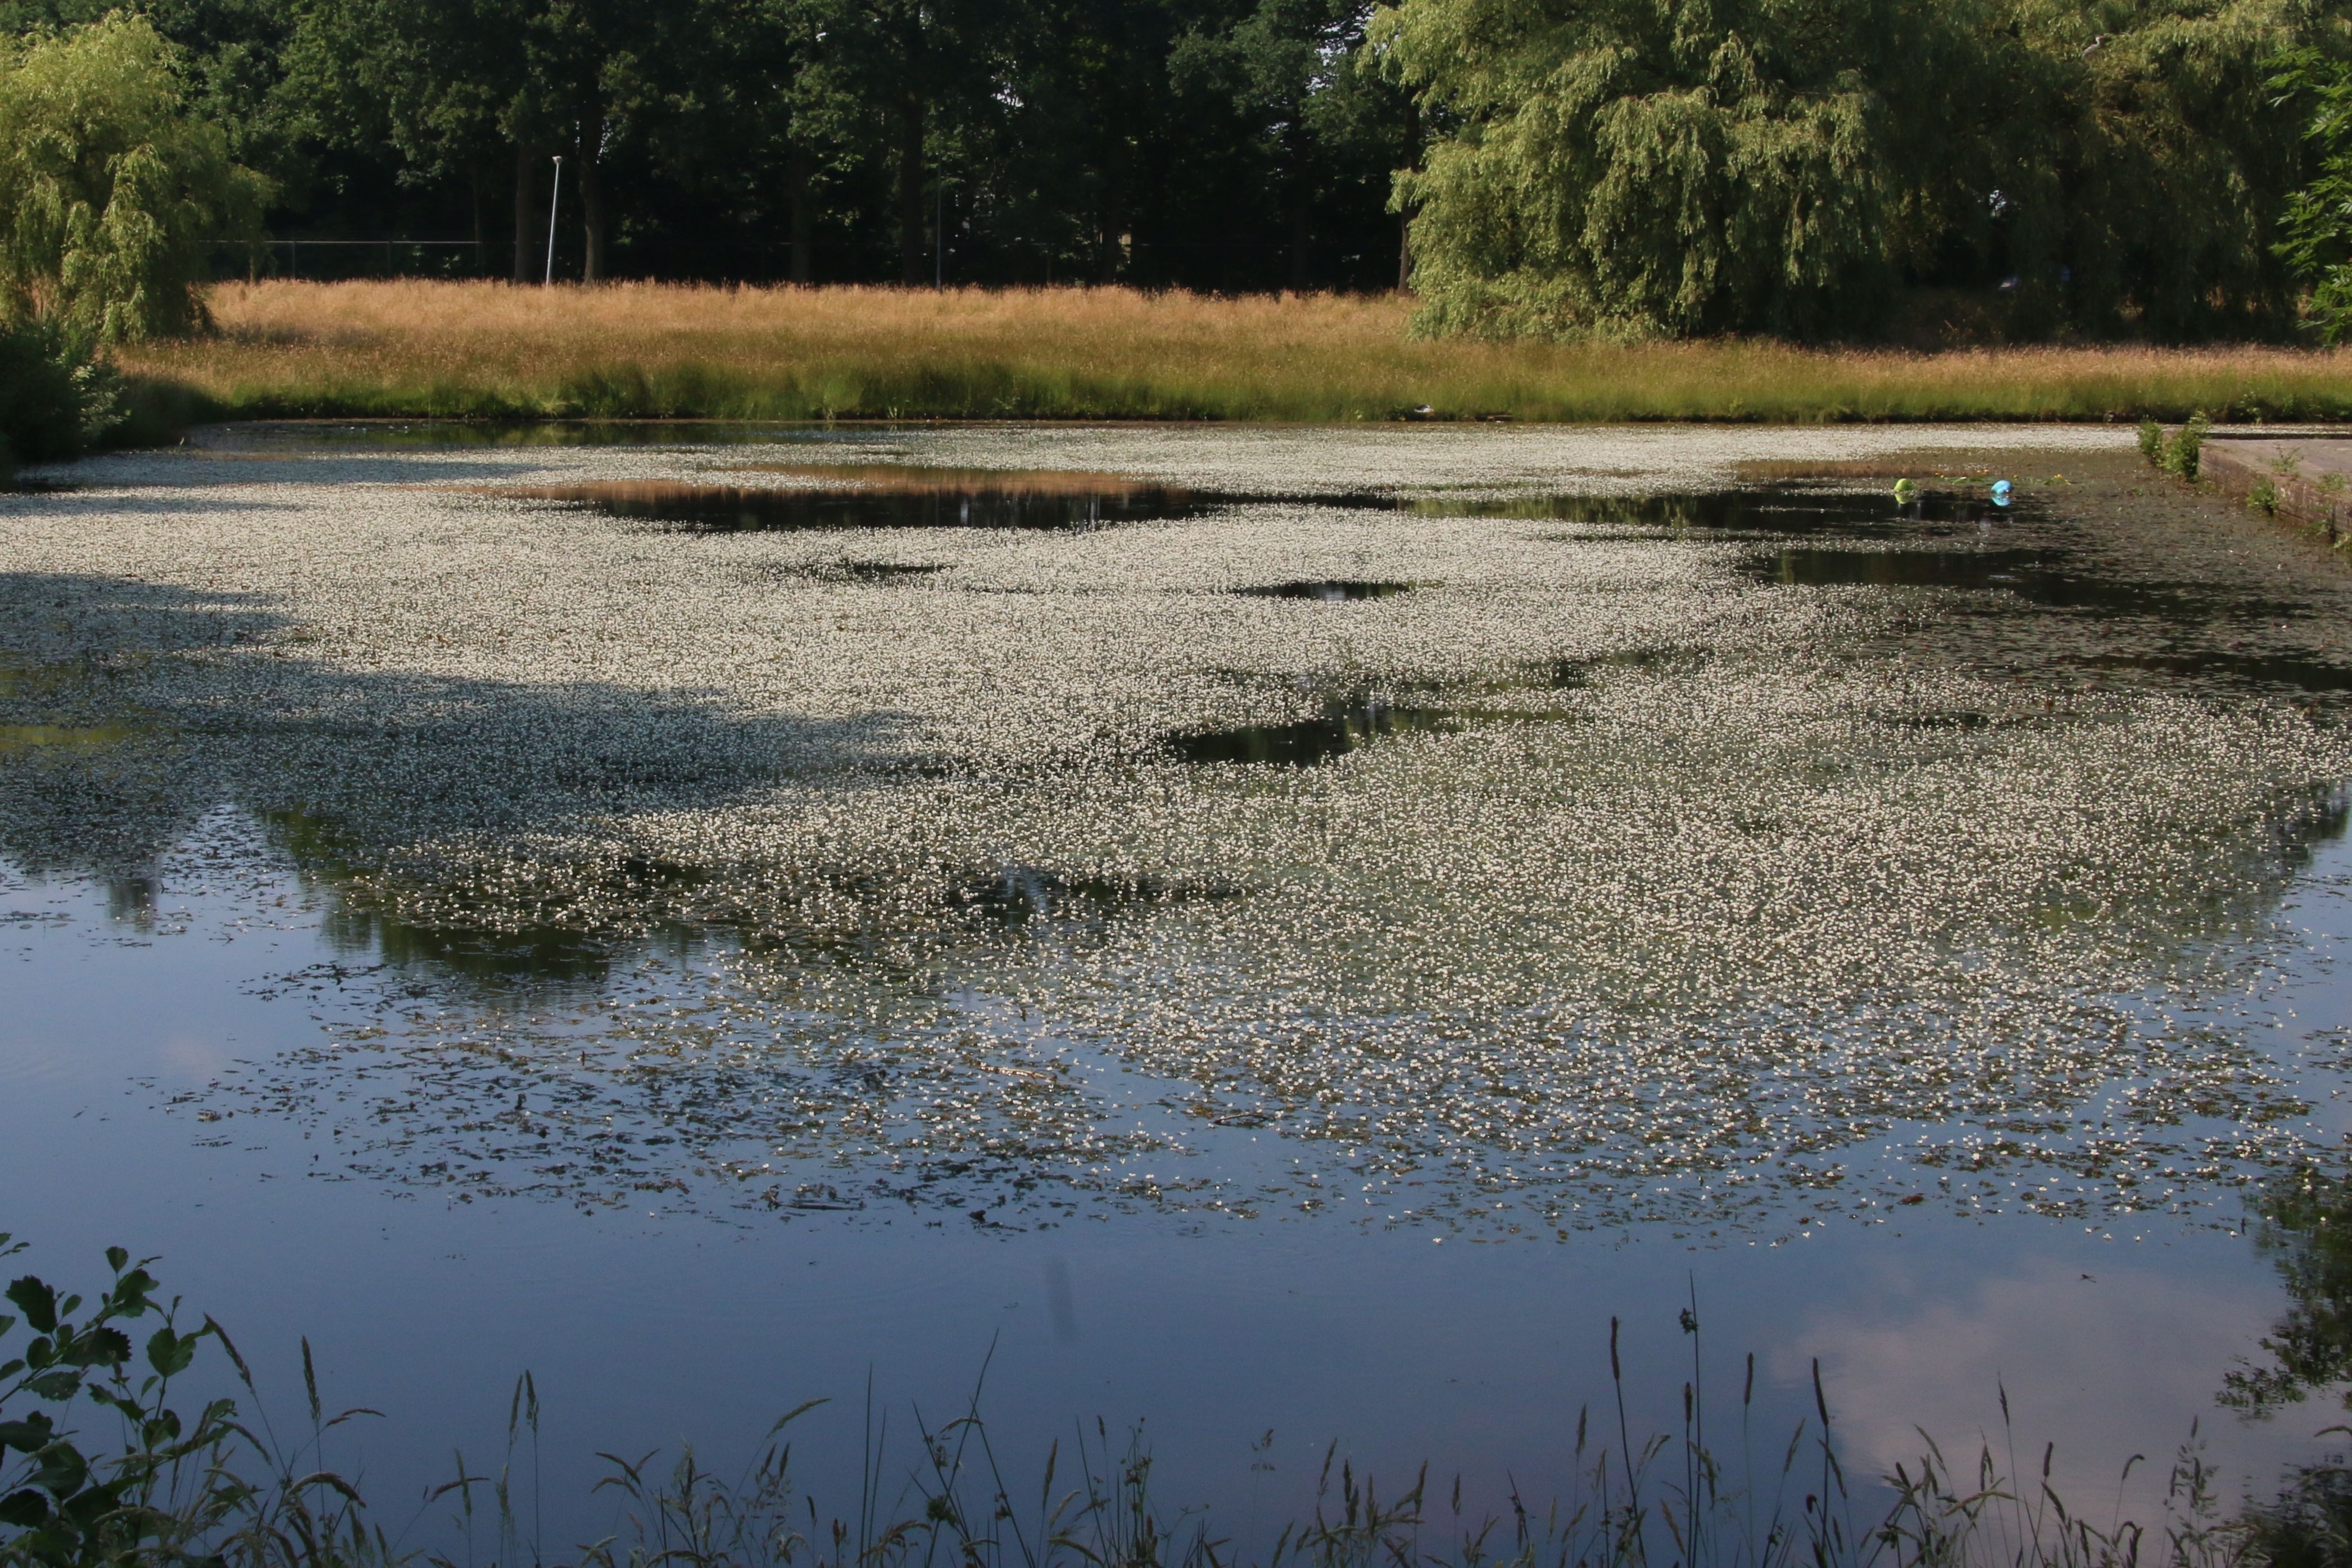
(55, 400)
(2180, 454)
(165, 1486)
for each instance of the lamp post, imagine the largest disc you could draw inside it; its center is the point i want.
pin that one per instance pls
(553, 201)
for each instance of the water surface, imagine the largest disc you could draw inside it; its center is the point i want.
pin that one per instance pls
(1262, 963)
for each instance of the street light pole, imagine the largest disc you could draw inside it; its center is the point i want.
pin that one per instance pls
(553, 201)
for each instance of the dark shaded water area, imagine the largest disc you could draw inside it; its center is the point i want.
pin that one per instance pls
(1157, 1135)
(972, 501)
(1330, 592)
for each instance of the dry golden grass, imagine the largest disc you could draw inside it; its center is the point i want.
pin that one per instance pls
(636, 350)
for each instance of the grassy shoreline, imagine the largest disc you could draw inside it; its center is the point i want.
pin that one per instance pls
(416, 349)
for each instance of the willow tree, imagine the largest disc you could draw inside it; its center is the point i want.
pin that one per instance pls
(111, 192)
(2144, 164)
(1648, 166)
(1692, 166)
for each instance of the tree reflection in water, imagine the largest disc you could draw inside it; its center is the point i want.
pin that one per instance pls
(2305, 1227)
(2307, 1230)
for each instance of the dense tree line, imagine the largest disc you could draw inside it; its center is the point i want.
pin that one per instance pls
(1813, 168)
(1215, 144)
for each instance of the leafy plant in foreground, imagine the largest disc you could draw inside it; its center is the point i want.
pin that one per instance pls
(151, 1499)
(169, 1489)
(2178, 454)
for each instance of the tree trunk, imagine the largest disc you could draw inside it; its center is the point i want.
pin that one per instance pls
(796, 167)
(592, 204)
(522, 215)
(910, 190)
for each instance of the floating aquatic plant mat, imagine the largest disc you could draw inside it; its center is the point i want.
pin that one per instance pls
(1659, 851)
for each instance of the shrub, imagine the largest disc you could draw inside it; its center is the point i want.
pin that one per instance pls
(2179, 455)
(54, 401)
(2182, 456)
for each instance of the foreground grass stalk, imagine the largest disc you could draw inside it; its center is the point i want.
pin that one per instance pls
(488, 350)
(219, 1491)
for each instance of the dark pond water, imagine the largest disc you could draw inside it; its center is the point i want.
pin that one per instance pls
(1300, 1115)
(1342, 727)
(2260, 671)
(871, 570)
(971, 503)
(1330, 591)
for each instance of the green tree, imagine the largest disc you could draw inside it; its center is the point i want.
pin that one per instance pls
(1297, 72)
(1695, 166)
(764, 86)
(2317, 232)
(110, 191)
(1691, 166)
(924, 68)
(2145, 164)
(447, 86)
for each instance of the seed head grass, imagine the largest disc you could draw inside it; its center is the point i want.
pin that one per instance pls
(491, 350)
(223, 1488)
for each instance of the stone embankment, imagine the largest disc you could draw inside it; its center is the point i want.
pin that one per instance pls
(2305, 480)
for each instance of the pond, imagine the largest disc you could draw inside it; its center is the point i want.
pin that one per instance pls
(1279, 934)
